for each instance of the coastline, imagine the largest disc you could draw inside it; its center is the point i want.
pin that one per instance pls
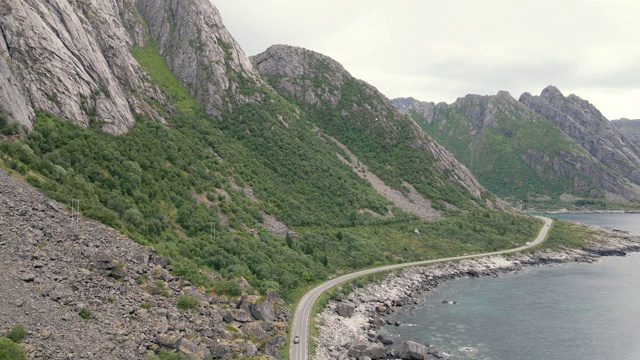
(585, 211)
(350, 325)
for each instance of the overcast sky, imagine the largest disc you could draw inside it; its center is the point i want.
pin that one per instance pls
(439, 50)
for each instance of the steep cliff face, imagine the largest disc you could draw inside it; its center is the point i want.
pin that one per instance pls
(69, 58)
(516, 152)
(351, 110)
(200, 51)
(581, 121)
(73, 59)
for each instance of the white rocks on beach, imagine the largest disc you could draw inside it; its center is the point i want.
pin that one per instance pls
(353, 335)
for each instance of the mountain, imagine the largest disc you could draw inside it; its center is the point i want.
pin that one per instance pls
(244, 178)
(583, 123)
(630, 128)
(355, 114)
(519, 154)
(74, 60)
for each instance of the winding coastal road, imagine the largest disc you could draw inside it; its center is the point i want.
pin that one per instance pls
(302, 315)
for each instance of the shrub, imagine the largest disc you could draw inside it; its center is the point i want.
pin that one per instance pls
(17, 333)
(85, 313)
(10, 350)
(142, 279)
(166, 355)
(228, 287)
(187, 302)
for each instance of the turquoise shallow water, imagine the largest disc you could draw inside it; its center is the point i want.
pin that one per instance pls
(565, 312)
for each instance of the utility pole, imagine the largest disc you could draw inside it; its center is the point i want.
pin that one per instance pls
(75, 212)
(213, 231)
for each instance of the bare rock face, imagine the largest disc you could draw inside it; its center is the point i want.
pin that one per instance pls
(70, 59)
(73, 59)
(581, 121)
(294, 66)
(200, 51)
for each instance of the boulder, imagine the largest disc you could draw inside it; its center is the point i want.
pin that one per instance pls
(159, 260)
(254, 329)
(191, 350)
(241, 316)
(345, 309)
(259, 308)
(413, 351)
(361, 350)
(220, 349)
(227, 317)
(375, 352)
(474, 272)
(169, 340)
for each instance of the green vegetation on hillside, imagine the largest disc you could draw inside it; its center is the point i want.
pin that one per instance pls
(9, 350)
(198, 190)
(387, 144)
(503, 156)
(157, 68)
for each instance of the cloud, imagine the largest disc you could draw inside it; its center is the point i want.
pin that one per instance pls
(439, 50)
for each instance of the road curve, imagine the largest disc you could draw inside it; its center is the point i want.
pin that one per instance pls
(302, 315)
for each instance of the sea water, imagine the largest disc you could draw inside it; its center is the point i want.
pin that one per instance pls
(560, 312)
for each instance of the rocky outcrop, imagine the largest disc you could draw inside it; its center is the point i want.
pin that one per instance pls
(70, 59)
(582, 122)
(85, 291)
(200, 51)
(296, 67)
(73, 59)
(341, 337)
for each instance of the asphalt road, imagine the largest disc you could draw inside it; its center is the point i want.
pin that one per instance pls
(302, 315)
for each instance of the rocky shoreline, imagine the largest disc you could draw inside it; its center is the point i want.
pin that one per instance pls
(350, 325)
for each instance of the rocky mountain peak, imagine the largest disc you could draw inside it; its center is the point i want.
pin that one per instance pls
(297, 61)
(586, 125)
(295, 67)
(551, 92)
(504, 95)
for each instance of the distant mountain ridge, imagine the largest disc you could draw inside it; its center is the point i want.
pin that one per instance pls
(547, 145)
(581, 121)
(630, 128)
